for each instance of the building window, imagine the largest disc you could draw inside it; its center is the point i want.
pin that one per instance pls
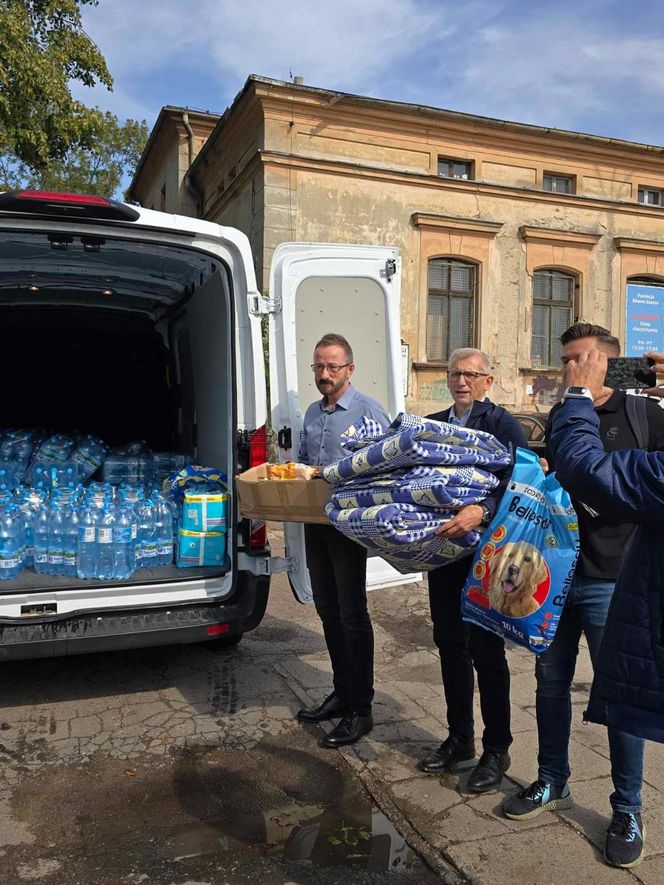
(645, 281)
(162, 197)
(553, 305)
(559, 184)
(449, 168)
(451, 307)
(651, 196)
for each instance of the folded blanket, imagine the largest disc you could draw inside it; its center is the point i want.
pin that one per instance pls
(425, 486)
(403, 534)
(425, 442)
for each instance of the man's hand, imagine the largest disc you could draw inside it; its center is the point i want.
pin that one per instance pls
(658, 369)
(467, 519)
(589, 370)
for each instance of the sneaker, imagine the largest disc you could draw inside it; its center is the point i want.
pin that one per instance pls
(624, 840)
(535, 799)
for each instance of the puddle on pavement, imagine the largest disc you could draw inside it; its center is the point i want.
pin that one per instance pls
(352, 833)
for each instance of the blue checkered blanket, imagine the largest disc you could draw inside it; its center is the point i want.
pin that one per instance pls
(397, 487)
(410, 441)
(403, 534)
(450, 487)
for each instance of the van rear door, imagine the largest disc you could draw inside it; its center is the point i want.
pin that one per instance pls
(319, 288)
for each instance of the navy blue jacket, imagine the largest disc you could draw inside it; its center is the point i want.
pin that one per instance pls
(494, 419)
(628, 688)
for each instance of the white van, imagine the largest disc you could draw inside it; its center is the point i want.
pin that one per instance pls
(134, 324)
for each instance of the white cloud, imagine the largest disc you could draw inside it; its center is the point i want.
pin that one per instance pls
(346, 45)
(564, 65)
(561, 73)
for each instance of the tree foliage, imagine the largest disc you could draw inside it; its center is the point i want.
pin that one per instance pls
(43, 47)
(99, 169)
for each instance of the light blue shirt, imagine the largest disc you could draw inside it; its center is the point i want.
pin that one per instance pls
(463, 420)
(320, 438)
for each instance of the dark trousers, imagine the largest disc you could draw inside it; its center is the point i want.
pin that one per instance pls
(462, 645)
(338, 570)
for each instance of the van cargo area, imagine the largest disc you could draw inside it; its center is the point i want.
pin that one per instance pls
(125, 339)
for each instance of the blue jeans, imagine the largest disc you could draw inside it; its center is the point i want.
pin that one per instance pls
(585, 611)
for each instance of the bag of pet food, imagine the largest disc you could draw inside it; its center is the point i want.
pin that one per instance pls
(524, 563)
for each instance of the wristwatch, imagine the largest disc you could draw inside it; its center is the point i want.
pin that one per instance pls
(486, 518)
(578, 393)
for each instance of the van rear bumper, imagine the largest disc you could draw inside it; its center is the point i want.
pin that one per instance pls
(138, 628)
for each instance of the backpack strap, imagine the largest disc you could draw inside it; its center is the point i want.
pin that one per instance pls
(637, 417)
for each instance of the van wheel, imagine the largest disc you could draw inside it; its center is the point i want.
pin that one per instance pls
(222, 642)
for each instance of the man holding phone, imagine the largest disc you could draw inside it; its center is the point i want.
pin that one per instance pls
(603, 544)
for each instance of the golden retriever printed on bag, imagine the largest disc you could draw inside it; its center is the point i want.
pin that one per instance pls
(524, 564)
(517, 569)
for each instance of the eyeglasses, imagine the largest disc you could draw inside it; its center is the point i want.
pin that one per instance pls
(469, 376)
(332, 368)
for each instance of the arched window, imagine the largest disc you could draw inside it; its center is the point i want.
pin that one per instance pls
(553, 308)
(451, 307)
(644, 280)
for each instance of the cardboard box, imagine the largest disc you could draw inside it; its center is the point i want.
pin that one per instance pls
(282, 500)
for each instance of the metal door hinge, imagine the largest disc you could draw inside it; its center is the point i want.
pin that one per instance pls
(260, 306)
(267, 565)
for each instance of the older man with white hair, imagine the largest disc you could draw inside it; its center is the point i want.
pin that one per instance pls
(463, 646)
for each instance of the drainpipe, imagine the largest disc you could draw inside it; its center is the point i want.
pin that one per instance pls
(188, 183)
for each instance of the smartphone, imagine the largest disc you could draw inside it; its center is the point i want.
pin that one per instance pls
(630, 372)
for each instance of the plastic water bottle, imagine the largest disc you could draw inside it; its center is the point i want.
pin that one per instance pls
(71, 521)
(163, 532)
(12, 539)
(125, 533)
(105, 558)
(147, 535)
(89, 456)
(28, 518)
(40, 533)
(56, 541)
(86, 553)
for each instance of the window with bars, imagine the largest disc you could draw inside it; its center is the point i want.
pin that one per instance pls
(553, 307)
(450, 168)
(451, 307)
(559, 184)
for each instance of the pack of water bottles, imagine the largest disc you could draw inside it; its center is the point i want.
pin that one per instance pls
(133, 463)
(55, 460)
(97, 531)
(16, 450)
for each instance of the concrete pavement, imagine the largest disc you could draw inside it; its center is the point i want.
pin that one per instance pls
(464, 836)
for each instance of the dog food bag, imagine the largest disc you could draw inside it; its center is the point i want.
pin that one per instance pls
(524, 563)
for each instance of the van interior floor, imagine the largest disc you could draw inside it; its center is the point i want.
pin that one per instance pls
(31, 582)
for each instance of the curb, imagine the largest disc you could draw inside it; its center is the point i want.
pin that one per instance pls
(436, 860)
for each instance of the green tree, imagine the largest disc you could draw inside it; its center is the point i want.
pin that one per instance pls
(43, 47)
(100, 169)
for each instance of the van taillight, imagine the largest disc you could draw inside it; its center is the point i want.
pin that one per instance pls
(58, 197)
(66, 204)
(257, 455)
(258, 447)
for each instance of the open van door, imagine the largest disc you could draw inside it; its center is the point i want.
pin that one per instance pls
(354, 291)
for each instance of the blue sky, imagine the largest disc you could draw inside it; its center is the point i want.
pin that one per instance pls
(592, 65)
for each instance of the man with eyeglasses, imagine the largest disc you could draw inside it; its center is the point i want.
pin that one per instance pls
(337, 565)
(462, 645)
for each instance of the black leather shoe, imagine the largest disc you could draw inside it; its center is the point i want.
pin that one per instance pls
(451, 755)
(489, 771)
(351, 728)
(330, 708)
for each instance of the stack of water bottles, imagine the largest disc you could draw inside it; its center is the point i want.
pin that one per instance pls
(96, 531)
